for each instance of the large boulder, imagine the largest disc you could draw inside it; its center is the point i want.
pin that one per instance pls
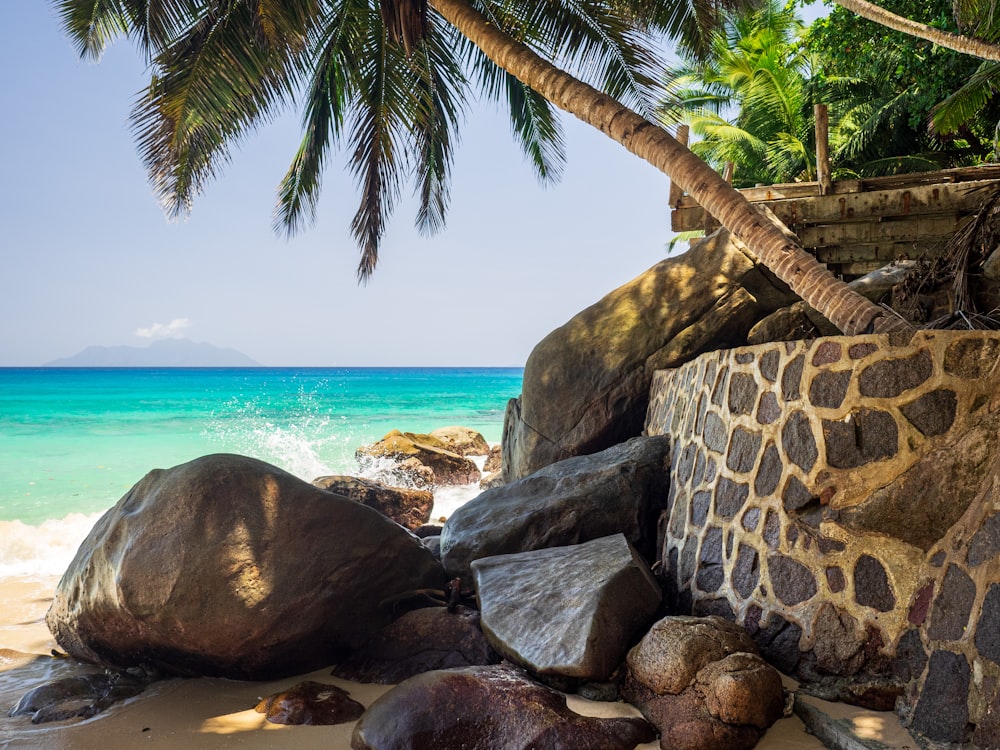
(620, 490)
(477, 708)
(702, 684)
(586, 384)
(449, 467)
(407, 507)
(229, 566)
(567, 612)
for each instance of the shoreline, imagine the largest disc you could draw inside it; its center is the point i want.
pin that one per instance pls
(190, 714)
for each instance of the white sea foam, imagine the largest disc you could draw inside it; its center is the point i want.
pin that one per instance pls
(43, 550)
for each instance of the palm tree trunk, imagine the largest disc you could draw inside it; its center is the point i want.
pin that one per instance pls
(964, 44)
(786, 258)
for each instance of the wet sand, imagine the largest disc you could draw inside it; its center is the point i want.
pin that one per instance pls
(215, 713)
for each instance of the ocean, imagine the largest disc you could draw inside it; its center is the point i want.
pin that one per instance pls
(73, 441)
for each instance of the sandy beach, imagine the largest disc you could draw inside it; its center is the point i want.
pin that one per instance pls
(214, 713)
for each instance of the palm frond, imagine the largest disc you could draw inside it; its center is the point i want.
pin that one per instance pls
(326, 100)
(949, 115)
(440, 103)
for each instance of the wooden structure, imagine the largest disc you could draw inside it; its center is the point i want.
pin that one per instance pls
(857, 226)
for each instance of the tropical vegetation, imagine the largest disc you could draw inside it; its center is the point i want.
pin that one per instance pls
(750, 102)
(394, 78)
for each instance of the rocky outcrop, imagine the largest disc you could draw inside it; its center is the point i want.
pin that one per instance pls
(229, 566)
(408, 448)
(567, 612)
(407, 507)
(310, 703)
(586, 384)
(494, 707)
(420, 641)
(701, 683)
(620, 490)
(462, 440)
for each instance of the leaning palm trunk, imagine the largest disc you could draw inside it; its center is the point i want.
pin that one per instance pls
(964, 44)
(786, 258)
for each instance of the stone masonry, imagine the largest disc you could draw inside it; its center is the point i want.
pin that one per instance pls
(840, 498)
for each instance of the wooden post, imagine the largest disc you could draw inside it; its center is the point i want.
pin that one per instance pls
(675, 191)
(823, 149)
(727, 173)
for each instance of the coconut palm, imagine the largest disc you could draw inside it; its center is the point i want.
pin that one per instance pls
(750, 101)
(395, 78)
(976, 47)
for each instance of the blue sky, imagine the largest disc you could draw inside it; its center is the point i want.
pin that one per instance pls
(88, 257)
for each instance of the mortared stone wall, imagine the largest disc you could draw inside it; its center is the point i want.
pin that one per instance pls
(840, 498)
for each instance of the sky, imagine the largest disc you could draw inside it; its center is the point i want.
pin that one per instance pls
(88, 257)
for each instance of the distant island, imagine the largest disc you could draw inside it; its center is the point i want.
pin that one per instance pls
(164, 353)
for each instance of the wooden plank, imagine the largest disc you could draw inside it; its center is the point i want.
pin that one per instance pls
(917, 228)
(964, 197)
(883, 253)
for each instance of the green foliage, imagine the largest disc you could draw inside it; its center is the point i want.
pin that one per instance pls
(887, 127)
(750, 101)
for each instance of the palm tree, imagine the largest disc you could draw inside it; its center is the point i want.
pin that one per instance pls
(199, 102)
(960, 43)
(751, 99)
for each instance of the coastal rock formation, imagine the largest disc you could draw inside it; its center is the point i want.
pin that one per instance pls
(229, 566)
(620, 490)
(420, 641)
(495, 707)
(462, 440)
(586, 384)
(567, 612)
(407, 507)
(310, 703)
(449, 467)
(701, 683)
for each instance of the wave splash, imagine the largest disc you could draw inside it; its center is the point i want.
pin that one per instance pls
(43, 550)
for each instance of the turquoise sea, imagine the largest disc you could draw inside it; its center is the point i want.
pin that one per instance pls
(73, 440)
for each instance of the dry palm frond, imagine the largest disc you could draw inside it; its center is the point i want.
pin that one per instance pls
(964, 253)
(405, 22)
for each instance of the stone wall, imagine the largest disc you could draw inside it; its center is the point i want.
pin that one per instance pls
(839, 498)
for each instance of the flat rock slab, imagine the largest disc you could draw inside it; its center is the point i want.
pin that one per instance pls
(567, 611)
(619, 490)
(487, 708)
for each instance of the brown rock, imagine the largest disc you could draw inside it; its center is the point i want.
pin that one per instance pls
(496, 707)
(701, 683)
(407, 507)
(420, 641)
(586, 385)
(669, 656)
(449, 468)
(462, 440)
(494, 459)
(742, 689)
(229, 566)
(310, 703)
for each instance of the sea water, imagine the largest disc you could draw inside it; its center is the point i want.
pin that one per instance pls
(73, 440)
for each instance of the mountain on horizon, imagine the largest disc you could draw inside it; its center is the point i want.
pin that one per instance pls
(163, 353)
